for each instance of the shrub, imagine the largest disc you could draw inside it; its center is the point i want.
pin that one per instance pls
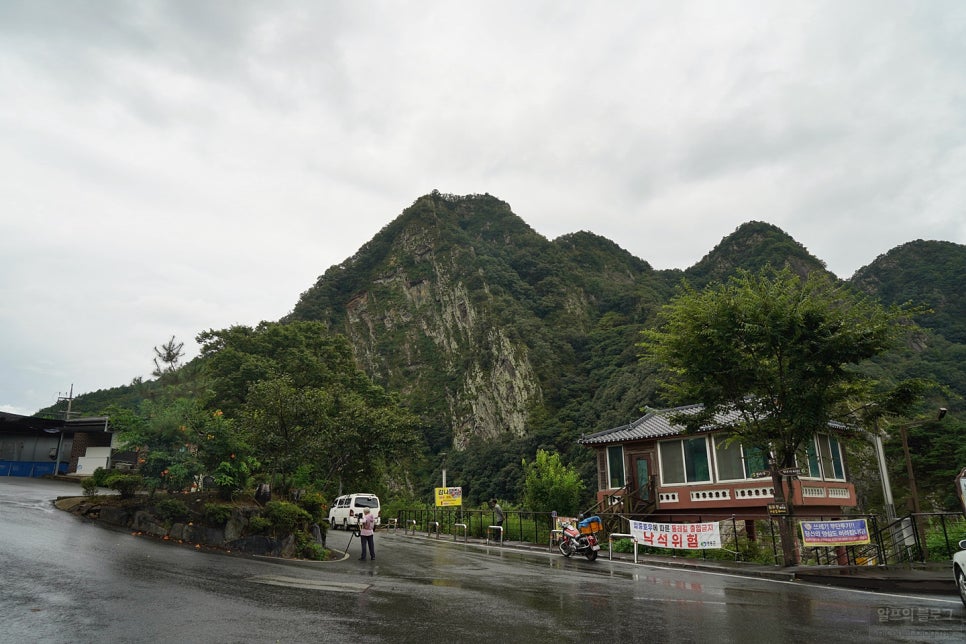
(259, 524)
(285, 517)
(100, 477)
(217, 513)
(89, 486)
(127, 484)
(313, 551)
(171, 509)
(314, 504)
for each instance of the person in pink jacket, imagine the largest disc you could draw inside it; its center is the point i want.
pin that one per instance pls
(367, 526)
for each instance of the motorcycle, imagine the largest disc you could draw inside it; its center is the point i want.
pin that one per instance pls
(581, 540)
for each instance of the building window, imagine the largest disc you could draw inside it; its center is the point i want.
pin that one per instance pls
(823, 456)
(684, 461)
(813, 470)
(830, 455)
(615, 466)
(734, 461)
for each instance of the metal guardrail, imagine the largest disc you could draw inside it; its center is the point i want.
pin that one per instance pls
(610, 544)
(558, 533)
(432, 527)
(460, 525)
(494, 528)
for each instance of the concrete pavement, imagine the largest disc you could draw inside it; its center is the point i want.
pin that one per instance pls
(915, 578)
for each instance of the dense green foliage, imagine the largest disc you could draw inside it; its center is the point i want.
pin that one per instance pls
(932, 274)
(772, 346)
(550, 486)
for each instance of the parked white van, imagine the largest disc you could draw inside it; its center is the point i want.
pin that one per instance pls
(347, 509)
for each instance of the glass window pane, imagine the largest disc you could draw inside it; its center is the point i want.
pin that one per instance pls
(615, 465)
(672, 462)
(837, 468)
(728, 459)
(696, 459)
(755, 461)
(813, 469)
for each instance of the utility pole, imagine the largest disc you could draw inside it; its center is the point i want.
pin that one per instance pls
(60, 439)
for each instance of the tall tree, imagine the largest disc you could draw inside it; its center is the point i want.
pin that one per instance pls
(550, 485)
(774, 347)
(301, 402)
(167, 357)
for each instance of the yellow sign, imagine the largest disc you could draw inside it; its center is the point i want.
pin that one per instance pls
(449, 496)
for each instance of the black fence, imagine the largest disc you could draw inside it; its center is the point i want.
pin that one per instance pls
(530, 527)
(915, 538)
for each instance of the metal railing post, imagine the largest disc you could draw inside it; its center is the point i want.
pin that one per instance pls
(552, 533)
(610, 544)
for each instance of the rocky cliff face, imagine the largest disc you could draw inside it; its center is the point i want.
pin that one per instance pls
(429, 321)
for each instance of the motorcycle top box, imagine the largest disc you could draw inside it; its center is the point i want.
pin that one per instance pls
(590, 525)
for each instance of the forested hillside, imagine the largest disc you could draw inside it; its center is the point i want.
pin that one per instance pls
(502, 341)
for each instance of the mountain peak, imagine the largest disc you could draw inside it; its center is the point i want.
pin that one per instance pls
(752, 246)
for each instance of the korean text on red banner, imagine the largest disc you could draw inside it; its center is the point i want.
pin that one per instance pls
(680, 536)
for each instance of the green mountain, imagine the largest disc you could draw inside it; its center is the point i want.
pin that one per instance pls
(751, 247)
(504, 341)
(479, 321)
(930, 273)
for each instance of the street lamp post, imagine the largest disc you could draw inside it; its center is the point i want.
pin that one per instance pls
(890, 506)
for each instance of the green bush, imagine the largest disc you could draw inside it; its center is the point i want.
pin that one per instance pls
(285, 517)
(171, 509)
(217, 513)
(127, 484)
(941, 542)
(313, 551)
(89, 485)
(259, 524)
(100, 477)
(314, 504)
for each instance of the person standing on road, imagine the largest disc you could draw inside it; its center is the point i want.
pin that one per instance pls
(367, 526)
(497, 512)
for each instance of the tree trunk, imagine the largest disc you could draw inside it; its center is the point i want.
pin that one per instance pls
(786, 526)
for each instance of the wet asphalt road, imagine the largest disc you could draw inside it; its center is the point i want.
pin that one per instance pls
(66, 580)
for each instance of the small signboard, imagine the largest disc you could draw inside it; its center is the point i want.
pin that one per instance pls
(778, 509)
(763, 474)
(791, 471)
(449, 496)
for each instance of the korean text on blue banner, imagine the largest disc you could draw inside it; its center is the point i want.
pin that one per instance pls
(834, 533)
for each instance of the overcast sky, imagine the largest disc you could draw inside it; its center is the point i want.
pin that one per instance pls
(172, 167)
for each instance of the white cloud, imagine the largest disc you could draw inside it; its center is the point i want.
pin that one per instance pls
(170, 167)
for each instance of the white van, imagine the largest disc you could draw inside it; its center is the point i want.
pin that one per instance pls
(347, 509)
